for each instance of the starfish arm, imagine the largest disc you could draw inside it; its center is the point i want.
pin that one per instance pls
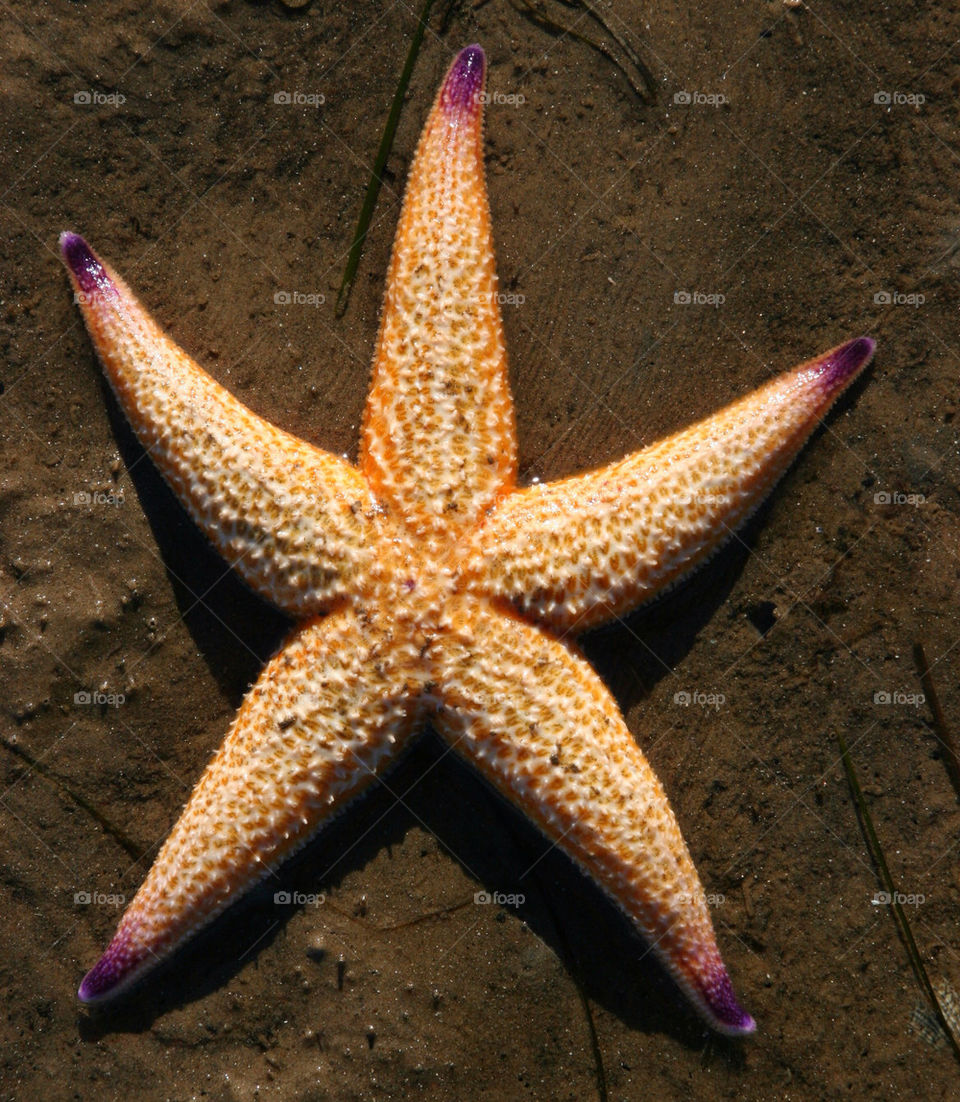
(328, 713)
(580, 551)
(292, 520)
(438, 442)
(529, 712)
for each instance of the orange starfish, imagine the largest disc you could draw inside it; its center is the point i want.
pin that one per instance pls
(427, 587)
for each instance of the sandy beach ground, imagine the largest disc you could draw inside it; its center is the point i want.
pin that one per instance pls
(793, 183)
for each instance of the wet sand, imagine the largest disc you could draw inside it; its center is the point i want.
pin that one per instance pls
(799, 200)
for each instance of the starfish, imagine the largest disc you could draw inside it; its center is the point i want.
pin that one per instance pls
(427, 587)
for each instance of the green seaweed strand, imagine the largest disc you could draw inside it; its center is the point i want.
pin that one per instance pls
(916, 961)
(383, 152)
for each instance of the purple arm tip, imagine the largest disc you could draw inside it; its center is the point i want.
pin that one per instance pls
(729, 1017)
(97, 983)
(848, 361)
(465, 80)
(84, 263)
(112, 972)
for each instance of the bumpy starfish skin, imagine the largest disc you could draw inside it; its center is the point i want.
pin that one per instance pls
(326, 713)
(293, 521)
(577, 552)
(438, 442)
(427, 587)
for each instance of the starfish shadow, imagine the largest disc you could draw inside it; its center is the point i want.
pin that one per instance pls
(633, 655)
(214, 956)
(604, 958)
(235, 630)
(602, 954)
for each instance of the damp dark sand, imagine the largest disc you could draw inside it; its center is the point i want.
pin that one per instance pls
(799, 200)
